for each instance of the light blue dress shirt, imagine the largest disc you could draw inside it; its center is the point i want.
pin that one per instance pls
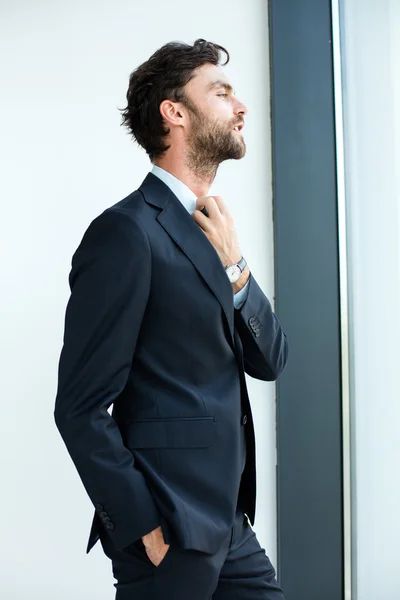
(188, 199)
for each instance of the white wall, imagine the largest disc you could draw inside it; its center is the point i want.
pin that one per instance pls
(64, 159)
(371, 50)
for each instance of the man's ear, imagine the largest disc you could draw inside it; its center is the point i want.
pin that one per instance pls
(172, 113)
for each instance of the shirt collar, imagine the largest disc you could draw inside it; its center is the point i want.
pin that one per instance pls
(181, 191)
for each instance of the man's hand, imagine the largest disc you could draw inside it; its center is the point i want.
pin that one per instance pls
(220, 230)
(155, 546)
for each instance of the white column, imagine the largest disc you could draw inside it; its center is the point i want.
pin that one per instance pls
(371, 86)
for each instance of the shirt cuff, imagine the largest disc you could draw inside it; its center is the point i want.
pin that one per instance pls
(240, 297)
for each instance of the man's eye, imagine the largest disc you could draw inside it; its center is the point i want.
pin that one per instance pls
(223, 95)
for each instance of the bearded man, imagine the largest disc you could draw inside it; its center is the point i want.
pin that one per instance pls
(164, 320)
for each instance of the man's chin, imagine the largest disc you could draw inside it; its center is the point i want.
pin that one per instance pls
(241, 146)
(240, 152)
(243, 150)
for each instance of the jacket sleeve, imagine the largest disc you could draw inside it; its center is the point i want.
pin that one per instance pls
(109, 281)
(264, 342)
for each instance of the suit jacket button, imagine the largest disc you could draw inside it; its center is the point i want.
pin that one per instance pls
(109, 525)
(244, 419)
(99, 507)
(252, 321)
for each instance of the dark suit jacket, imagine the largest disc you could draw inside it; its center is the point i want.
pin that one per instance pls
(151, 329)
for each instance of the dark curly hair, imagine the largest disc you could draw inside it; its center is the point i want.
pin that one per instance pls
(163, 77)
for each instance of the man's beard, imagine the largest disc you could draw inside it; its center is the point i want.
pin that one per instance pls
(211, 143)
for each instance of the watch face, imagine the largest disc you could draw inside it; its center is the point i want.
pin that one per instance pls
(233, 273)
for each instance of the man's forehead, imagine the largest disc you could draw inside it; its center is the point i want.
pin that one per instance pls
(211, 77)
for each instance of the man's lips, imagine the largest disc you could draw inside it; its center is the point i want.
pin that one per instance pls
(238, 127)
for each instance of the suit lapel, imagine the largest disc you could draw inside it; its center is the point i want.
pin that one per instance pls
(185, 232)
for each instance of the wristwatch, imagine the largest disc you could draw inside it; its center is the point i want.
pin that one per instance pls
(235, 271)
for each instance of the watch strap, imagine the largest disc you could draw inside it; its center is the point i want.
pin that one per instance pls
(242, 264)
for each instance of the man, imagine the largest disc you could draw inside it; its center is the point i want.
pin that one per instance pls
(163, 322)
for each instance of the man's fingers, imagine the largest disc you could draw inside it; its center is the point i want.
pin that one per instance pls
(221, 204)
(201, 220)
(210, 204)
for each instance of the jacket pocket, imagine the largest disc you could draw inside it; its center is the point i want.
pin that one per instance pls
(188, 432)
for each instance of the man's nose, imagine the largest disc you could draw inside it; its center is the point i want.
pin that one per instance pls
(241, 108)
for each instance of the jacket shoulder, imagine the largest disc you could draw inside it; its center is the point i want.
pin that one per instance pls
(120, 226)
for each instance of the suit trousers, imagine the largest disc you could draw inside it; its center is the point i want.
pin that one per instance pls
(240, 570)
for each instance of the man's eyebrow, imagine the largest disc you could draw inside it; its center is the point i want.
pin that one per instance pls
(221, 84)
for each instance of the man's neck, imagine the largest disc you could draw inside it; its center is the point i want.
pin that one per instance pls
(199, 186)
